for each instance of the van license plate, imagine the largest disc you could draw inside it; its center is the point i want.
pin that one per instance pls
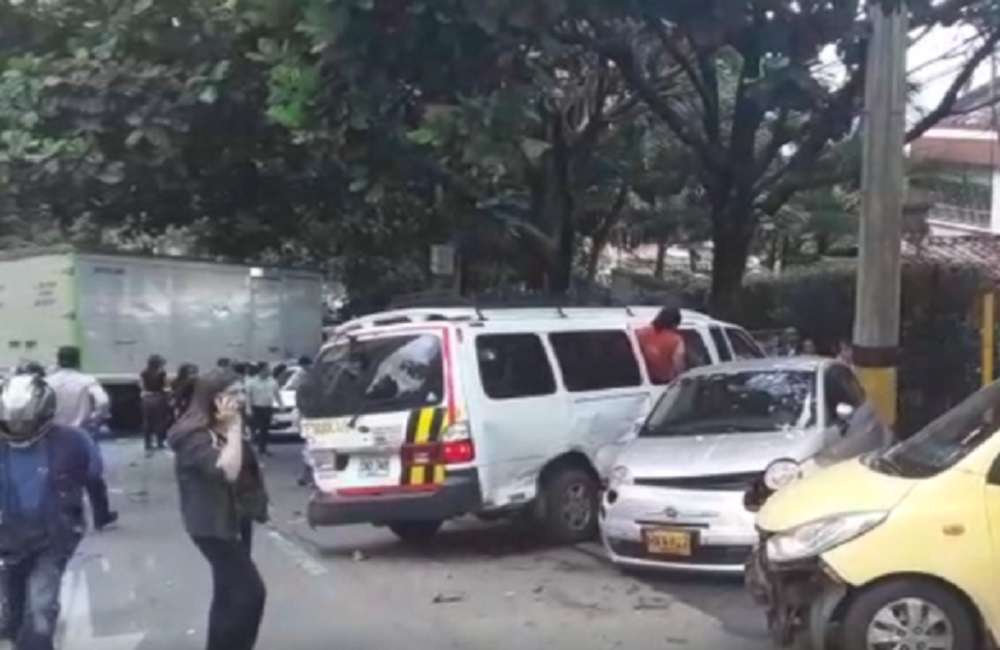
(374, 467)
(663, 541)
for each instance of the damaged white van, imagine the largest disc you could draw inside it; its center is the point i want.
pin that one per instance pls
(415, 417)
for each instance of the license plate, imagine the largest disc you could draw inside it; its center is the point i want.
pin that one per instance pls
(669, 542)
(373, 467)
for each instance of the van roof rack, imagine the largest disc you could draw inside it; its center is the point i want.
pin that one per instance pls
(478, 313)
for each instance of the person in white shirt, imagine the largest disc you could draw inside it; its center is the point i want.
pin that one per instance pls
(263, 394)
(82, 402)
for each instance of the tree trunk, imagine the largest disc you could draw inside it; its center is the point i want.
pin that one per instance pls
(731, 240)
(661, 259)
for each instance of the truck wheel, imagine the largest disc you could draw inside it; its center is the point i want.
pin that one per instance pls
(415, 532)
(569, 512)
(908, 613)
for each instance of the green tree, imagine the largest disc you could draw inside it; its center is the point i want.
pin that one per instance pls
(777, 90)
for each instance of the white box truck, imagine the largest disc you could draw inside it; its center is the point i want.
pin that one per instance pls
(119, 309)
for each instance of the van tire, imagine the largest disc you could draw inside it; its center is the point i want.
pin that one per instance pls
(569, 506)
(416, 532)
(863, 609)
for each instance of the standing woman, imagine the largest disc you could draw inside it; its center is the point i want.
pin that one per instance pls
(181, 388)
(155, 403)
(221, 494)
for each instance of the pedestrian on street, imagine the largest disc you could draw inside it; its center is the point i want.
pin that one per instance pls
(789, 345)
(182, 387)
(41, 509)
(263, 394)
(155, 403)
(808, 347)
(845, 353)
(82, 403)
(663, 346)
(221, 494)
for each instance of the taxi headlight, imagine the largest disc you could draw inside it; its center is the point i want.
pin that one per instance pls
(817, 537)
(781, 473)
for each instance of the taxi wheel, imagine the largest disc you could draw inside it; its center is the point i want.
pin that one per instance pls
(415, 532)
(908, 613)
(570, 506)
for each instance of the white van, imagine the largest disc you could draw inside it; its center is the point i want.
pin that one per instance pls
(415, 417)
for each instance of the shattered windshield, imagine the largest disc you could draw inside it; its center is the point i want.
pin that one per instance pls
(945, 441)
(393, 373)
(745, 402)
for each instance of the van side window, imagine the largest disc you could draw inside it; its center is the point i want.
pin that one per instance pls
(743, 346)
(596, 360)
(695, 352)
(720, 344)
(514, 365)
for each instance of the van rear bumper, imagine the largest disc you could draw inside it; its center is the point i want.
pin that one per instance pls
(459, 495)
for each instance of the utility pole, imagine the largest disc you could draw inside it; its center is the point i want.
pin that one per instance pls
(876, 321)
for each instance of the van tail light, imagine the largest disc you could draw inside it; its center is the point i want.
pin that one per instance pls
(456, 444)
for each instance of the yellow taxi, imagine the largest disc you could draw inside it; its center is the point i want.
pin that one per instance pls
(897, 550)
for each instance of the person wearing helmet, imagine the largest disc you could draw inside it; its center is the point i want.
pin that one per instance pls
(41, 508)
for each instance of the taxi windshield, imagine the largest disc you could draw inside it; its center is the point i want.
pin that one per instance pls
(945, 441)
(392, 373)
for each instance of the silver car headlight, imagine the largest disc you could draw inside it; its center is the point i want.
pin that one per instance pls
(817, 537)
(620, 476)
(782, 473)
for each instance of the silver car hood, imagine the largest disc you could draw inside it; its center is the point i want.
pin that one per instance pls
(715, 455)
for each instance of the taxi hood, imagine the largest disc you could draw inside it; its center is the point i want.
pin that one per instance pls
(847, 487)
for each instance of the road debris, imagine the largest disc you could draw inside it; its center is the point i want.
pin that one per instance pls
(646, 603)
(448, 597)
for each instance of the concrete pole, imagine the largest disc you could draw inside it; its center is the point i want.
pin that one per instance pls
(876, 325)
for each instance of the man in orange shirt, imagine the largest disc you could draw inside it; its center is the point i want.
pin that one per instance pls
(663, 346)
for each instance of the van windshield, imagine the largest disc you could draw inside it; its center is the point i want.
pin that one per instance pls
(743, 402)
(392, 373)
(945, 441)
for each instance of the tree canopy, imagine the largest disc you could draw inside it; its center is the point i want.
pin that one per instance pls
(355, 133)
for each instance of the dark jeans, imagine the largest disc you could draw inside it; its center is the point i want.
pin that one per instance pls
(97, 492)
(156, 416)
(238, 595)
(29, 590)
(260, 425)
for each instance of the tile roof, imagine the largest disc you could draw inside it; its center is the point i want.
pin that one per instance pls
(979, 251)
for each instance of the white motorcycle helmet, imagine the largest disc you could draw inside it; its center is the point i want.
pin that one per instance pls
(27, 406)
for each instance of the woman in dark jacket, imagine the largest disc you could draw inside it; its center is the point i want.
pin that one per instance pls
(182, 387)
(155, 403)
(221, 494)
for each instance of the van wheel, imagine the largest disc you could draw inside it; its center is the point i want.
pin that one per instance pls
(570, 506)
(415, 532)
(908, 613)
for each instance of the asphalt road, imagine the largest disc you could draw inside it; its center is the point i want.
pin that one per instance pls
(143, 585)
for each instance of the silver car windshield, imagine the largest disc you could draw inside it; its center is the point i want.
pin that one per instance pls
(744, 402)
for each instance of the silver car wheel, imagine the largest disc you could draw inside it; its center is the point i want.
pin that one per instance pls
(910, 624)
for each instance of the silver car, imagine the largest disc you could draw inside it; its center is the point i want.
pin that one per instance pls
(675, 495)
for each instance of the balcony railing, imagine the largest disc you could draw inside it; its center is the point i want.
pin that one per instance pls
(969, 217)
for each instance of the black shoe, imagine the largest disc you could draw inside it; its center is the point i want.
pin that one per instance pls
(108, 521)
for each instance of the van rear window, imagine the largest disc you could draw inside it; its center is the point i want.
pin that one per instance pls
(596, 360)
(392, 373)
(514, 365)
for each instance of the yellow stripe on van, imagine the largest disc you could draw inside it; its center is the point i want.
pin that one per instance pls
(418, 474)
